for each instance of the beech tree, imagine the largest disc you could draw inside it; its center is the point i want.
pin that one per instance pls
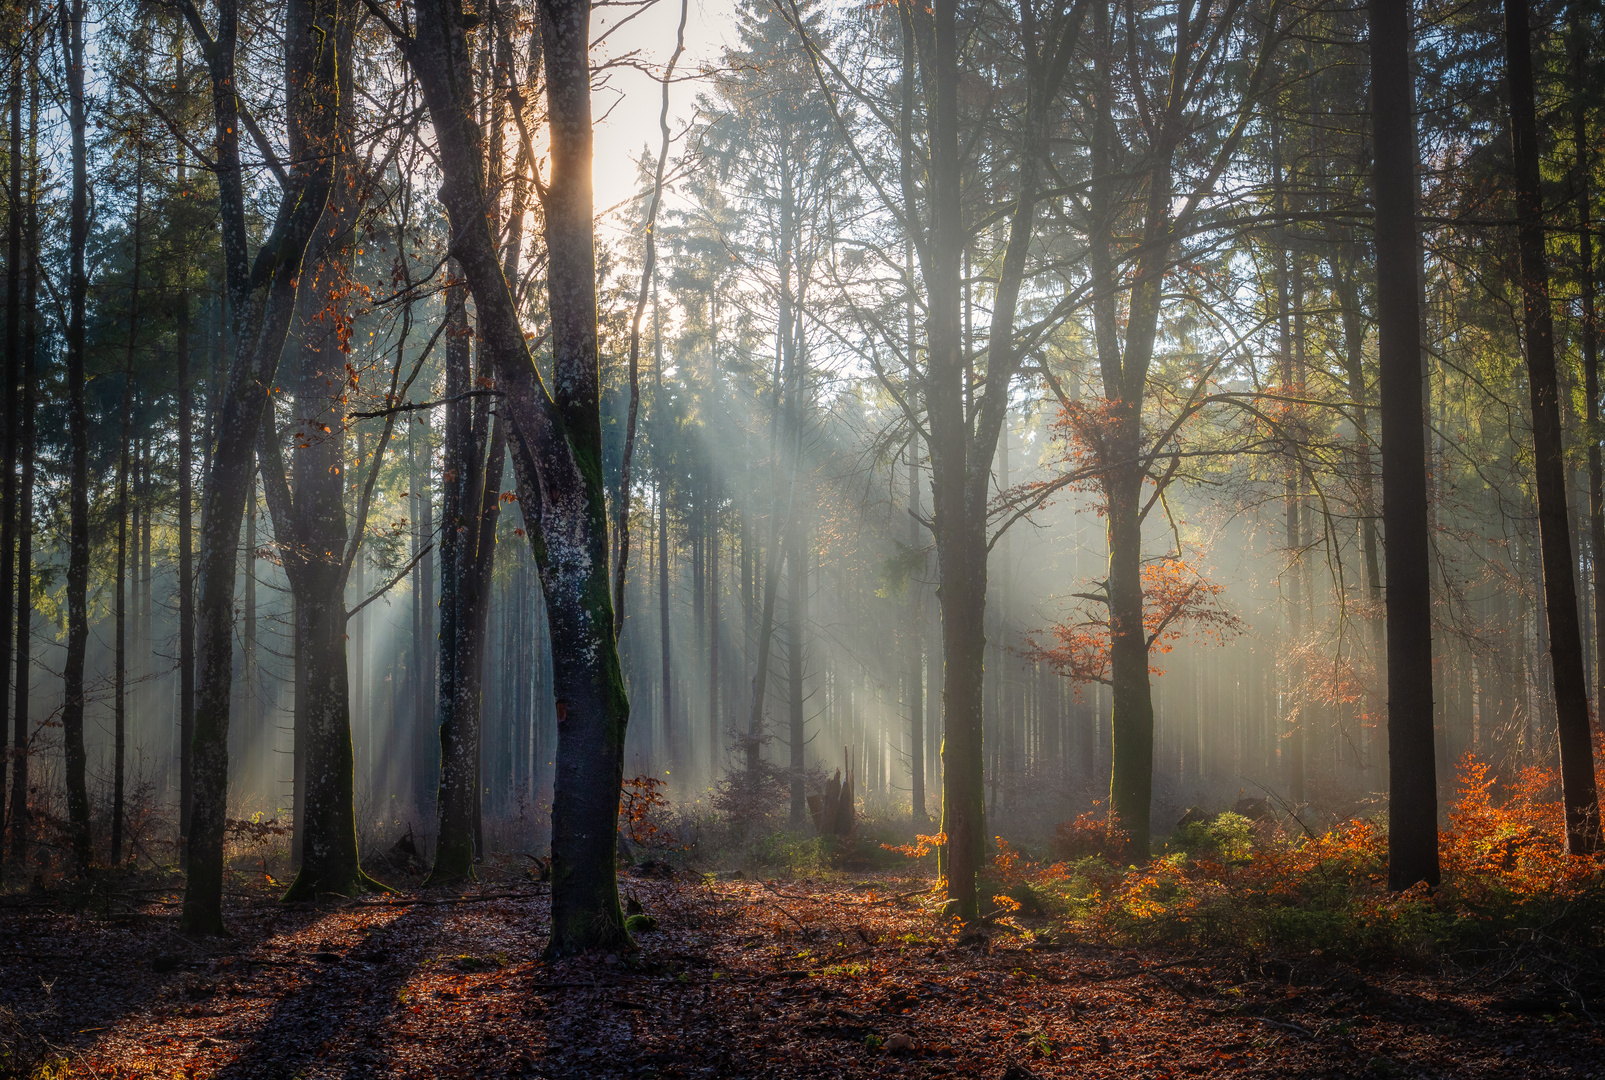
(262, 295)
(556, 437)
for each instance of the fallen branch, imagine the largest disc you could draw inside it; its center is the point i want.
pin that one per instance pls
(448, 900)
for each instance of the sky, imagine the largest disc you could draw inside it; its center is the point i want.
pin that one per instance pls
(630, 99)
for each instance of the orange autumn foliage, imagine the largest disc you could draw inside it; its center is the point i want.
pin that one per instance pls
(1257, 884)
(1178, 602)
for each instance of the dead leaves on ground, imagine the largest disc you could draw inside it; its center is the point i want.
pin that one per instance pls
(741, 978)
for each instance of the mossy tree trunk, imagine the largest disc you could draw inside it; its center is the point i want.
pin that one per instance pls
(556, 439)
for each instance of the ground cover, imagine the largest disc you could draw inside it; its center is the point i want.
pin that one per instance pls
(736, 977)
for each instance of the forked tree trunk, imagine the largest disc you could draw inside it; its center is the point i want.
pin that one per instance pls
(1549, 465)
(556, 442)
(264, 304)
(310, 522)
(1413, 810)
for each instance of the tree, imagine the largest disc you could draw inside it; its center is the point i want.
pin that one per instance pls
(73, 691)
(261, 296)
(556, 437)
(1413, 811)
(1583, 834)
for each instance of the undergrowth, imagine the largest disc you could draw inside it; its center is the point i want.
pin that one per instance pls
(1231, 882)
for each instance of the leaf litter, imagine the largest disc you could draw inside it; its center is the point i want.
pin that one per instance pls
(738, 978)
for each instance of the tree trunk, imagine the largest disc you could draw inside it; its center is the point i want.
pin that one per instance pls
(1292, 502)
(321, 544)
(428, 650)
(453, 845)
(73, 693)
(328, 820)
(1132, 719)
(556, 443)
(1549, 467)
(12, 418)
(796, 589)
(1413, 812)
(186, 569)
(488, 513)
(120, 612)
(914, 629)
(264, 304)
(250, 682)
(1589, 332)
(461, 651)
(26, 452)
(713, 630)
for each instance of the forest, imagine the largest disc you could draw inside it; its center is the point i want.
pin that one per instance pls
(1000, 538)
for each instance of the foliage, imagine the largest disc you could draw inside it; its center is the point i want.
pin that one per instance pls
(1178, 602)
(644, 813)
(1230, 881)
(1089, 836)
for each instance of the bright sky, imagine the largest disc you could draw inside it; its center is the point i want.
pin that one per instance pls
(631, 99)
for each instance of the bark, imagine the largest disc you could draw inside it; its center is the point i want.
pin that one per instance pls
(796, 590)
(1413, 810)
(1347, 293)
(1124, 366)
(488, 512)
(263, 306)
(662, 482)
(1132, 715)
(186, 569)
(26, 446)
(120, 668)
(666, 658)
(1549, 467)
(250, 686)
(787, 391)
(713, 628)
(321, 548)
(463, 467)
(186, 515)
(1589, 332)
(1292, 500)
(73, 691)
(555, 439)
(914, 629)
(26, 451)
(428, 652)
(12, 418)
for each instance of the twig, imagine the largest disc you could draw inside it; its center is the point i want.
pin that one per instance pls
(422, 405)
(405, 570)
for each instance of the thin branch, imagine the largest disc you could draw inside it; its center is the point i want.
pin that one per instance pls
(405, 570)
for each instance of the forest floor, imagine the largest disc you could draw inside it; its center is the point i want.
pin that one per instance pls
(855, 977)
